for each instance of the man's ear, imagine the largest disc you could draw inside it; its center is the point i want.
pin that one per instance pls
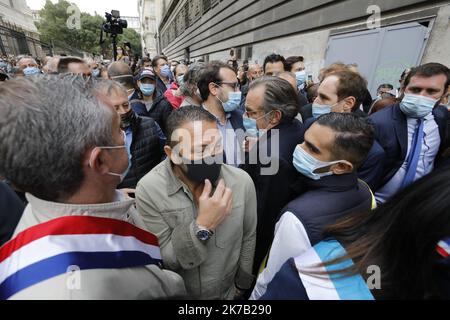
(96, 161)
(213, 89)
(343, 167)
(276, 117)
(168, 151)
(349, 104)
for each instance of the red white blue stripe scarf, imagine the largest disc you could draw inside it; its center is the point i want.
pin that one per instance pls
(47, 250)
(443, 248)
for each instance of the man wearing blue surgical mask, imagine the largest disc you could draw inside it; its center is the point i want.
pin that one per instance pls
(219, 90)
(152, 102)
(174, 94)
(412, 133)
(163, 73)
(296, 65)
(343, 92)
(29, 66)
(270, 117)
(334, 147)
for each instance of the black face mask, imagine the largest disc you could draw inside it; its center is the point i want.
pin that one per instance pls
(127, 119)
(209, 168)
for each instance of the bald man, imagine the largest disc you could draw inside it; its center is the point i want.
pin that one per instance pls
(121, 72)
(291, 78)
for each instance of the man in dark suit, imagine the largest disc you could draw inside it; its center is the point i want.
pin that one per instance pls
(342, 92)
(11, 209)
(219, 90)
(271, 108)
(413, 132)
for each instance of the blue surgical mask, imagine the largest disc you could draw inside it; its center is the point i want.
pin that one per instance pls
(165, 71)
(319, 110)
(306, 164)
(95, 73)
(147, 89)
(417, 106)
(180, 80)
(301, 78)
(234, 101)
(124, 174)
(251, 127)
(31, 71)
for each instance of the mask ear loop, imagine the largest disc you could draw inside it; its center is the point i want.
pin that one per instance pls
(332, 164)
(218, 87)
(90, 158)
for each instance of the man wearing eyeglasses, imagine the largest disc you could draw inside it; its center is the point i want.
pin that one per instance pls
(144, 138)
(219, 89)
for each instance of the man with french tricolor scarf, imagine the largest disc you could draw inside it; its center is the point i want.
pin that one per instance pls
(78, 237)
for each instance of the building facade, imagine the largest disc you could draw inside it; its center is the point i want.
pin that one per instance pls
(382, 36)
(148, 23)
(133, 23)
(18, 34)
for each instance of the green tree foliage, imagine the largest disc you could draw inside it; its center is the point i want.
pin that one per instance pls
(53, 28)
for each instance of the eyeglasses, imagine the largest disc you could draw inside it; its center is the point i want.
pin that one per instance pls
(233, 85)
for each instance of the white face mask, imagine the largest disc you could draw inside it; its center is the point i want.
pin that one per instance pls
(120, 175)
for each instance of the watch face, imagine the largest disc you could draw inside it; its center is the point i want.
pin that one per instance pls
(203, 235)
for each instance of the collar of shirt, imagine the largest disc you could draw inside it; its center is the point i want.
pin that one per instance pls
(129, 138)
(46, 210)
(148, 105)
(227, 115)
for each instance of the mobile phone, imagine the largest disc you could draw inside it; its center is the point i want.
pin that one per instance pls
(310, 78)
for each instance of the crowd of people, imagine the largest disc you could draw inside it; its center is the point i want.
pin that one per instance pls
(155, 179)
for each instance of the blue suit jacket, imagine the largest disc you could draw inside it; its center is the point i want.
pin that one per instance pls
(391, 132)
(372, 168)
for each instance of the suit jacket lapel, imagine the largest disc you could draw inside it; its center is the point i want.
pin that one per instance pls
(401, 130)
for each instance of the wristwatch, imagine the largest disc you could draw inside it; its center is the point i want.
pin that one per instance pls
(202, 233)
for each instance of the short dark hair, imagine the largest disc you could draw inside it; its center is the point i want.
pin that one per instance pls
(63, 63)
(278, 95)
(155, 60)
(350, 84)
(211, 74)
(354, 136)
(312, 91)
(429, 70)
(274, 58)
(385, 86)
(290, 61)
(186, 114)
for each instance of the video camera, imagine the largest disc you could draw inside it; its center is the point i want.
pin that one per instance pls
(114, 25)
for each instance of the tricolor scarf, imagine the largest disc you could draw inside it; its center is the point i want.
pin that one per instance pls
(50, 249)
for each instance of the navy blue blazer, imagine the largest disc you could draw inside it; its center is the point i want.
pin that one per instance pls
(237, 122)
(11, 209)
(273, 192)
(391, 132)
(160, 85)
(371, 169)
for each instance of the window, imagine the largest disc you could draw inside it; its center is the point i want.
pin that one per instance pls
(238, 53)
(249, 52)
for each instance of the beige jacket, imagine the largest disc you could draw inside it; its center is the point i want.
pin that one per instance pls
(149, 282)
(210, 270)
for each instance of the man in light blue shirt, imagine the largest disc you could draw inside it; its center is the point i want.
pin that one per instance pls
(412, 133)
